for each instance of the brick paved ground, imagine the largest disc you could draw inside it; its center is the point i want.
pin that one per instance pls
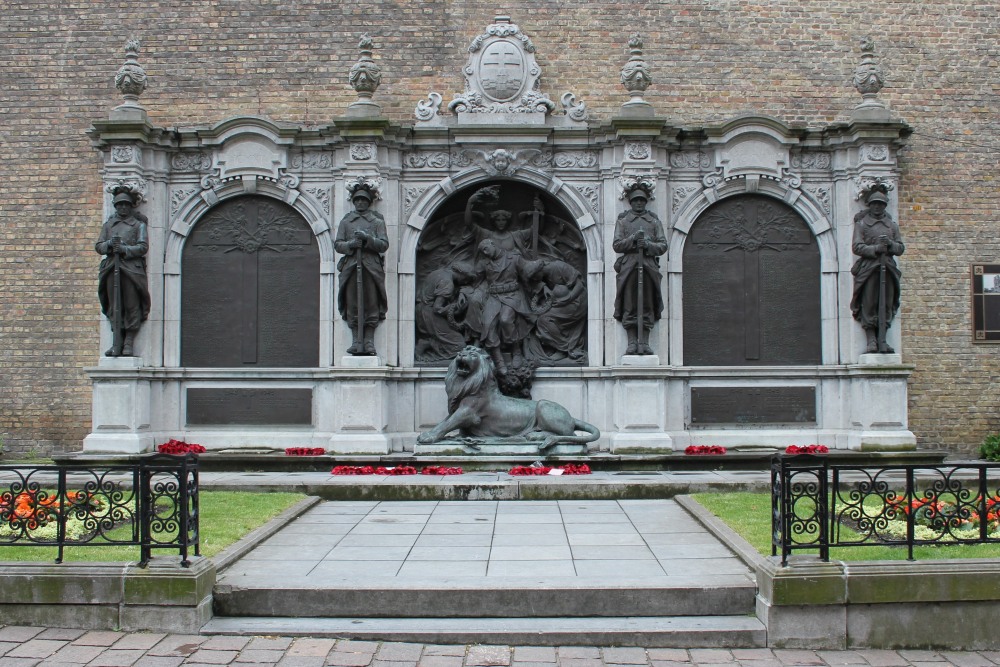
(58, 647)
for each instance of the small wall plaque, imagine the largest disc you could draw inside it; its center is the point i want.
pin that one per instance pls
(753, 405)
(986, 303)
(250, 407)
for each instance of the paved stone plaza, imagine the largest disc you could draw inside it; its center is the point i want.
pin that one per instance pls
(626, 539)
(51, 647)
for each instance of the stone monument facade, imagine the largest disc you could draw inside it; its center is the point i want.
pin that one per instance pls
(499, 212)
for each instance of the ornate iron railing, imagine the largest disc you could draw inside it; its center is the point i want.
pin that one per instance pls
(816, 505)
(152, 504)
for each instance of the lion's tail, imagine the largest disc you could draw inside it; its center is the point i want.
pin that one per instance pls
(593, 433)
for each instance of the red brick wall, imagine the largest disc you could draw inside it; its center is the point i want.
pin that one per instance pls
(288, 60)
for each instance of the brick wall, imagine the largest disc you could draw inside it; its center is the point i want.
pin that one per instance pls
(711, 59)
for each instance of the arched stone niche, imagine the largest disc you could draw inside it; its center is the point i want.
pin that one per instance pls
(751, 286)
(455, 282)
(250, 293)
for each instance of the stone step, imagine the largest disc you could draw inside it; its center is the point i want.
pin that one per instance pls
(718, 595)
(649, 632)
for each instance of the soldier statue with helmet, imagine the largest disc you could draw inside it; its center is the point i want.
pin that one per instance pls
(362, 239)
(640, 241)
(122, 285)
(876, 277)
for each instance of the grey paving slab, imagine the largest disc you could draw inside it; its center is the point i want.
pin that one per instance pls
(99, 638)
(520, 519)
(449, 553)
(535, 553)
(682, 551)
(68, 634)
(357, 568)
(113, 658)
(367, 553)
(540, 568)
(378, 540)
(76, 654)
(18, 633)
(702, 566)
(139, 640)
(454, 540)
(36, 648)
(612, 553)
(597, 539)
(289, 552)
(311, 647)
(550, 539)
(625, 655)
(158, 661)
(443, 528)
(487, 656)
(603, 568)
(437, 568)
(445, 650)
(701, 537)
(618, 528)
(534, 654)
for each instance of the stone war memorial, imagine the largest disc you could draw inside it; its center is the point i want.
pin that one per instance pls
(506, 272)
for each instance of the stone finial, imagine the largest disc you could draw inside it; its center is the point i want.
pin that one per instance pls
(365, 78)
(869, 80)
(131, 80)
(635, 75)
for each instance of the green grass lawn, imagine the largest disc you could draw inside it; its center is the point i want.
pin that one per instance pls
(749, 514)
(225, 518)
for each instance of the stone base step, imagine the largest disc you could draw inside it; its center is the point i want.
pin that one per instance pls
(720, 594)
(649, 632)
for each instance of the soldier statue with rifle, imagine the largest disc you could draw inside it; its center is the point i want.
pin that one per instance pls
(362, 240)
(876, 277)
(122, 285)
(640, 240)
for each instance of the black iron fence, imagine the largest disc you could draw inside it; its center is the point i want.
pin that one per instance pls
(152, 504)
(816, 505)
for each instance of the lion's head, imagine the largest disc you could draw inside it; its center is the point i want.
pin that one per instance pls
(471, 372)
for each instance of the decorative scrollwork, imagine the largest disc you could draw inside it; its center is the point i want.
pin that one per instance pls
(574, 110)
(427, 110)
(198, 162)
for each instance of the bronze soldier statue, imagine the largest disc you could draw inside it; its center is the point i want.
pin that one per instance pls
(876, 276)
(362, 240)
(638, 300)
(122, 285)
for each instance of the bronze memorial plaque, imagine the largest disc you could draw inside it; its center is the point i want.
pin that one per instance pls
(986, 303)
(753, 405)
(751, 286)
(251, 407)
(250, 288)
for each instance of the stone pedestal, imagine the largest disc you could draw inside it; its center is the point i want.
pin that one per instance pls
(120, 421)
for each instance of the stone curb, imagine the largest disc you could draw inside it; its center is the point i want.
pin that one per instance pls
(238, 550)
(729, 537)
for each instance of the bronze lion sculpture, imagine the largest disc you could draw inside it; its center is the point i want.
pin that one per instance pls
(480, 412)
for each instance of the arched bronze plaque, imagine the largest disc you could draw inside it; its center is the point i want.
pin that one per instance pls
(751, 286)
(250, 287)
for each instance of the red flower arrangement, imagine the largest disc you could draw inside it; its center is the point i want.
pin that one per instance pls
(704, 450)
(304, 451)
(370, 470)
(440, 470)
(32, 511)
(568, 469)
(808, 449)
(179, 448)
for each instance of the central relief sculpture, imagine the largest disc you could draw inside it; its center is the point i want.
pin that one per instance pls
(501, 267)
